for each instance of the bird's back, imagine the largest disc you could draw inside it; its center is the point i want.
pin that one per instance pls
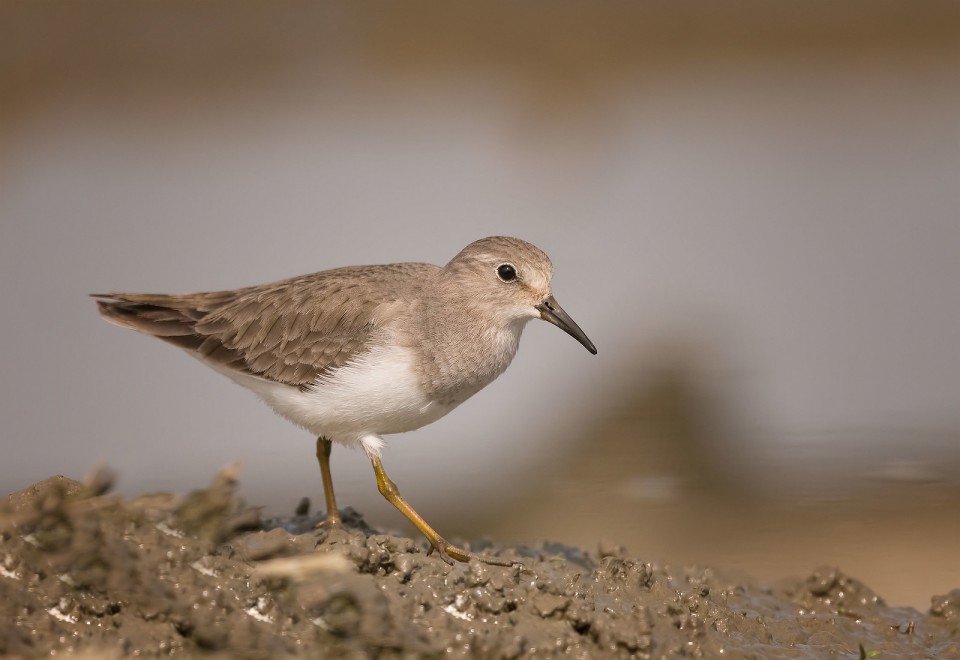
(291, 331)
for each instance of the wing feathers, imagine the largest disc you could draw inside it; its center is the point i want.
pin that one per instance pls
(290, 331)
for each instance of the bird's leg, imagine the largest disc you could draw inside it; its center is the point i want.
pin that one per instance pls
(324, 446)
(447, 551)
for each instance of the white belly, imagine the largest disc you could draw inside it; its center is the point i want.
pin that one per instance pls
(377, 395)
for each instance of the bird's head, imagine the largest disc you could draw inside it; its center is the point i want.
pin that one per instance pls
(510, 279)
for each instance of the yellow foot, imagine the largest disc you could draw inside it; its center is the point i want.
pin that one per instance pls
(332, 521)
(449, 552)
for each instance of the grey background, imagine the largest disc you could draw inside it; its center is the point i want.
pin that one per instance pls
(778, 199)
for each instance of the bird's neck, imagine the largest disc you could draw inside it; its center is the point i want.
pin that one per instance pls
(464, 349)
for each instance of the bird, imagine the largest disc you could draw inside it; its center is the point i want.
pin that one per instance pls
(355, 353)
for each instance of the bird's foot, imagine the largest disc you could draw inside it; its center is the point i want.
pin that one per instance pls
(332, 521)
(449, 552)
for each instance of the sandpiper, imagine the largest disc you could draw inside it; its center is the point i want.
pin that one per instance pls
(352, 354)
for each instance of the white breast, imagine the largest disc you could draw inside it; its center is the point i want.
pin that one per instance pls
(375, 395)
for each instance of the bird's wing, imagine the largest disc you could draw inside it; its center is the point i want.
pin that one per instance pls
(289, 332)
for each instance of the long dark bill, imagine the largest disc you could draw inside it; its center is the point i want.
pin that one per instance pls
(550, 310)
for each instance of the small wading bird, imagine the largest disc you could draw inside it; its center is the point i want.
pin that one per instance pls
(353, 354)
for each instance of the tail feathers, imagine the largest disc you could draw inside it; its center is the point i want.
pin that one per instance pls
(173, 319)
(166, 317)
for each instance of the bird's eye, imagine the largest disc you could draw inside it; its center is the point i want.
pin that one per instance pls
(506, 272)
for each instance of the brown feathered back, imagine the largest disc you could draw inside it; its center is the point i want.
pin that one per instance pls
(278, 331)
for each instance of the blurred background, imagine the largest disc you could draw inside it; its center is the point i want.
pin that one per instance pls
(752, 208)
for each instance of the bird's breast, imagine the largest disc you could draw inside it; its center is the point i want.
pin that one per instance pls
(379, 392)
(453, 371)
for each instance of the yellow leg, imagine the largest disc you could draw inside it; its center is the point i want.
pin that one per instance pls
(448, 552)
(324, 446)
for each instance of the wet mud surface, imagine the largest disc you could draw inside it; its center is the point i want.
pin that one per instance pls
(86, 573)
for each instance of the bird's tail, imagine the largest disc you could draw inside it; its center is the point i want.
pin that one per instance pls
(163, 316)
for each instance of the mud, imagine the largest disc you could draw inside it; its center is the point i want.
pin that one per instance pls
(83, 572)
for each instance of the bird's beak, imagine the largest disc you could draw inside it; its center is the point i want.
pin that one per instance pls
(550, 310)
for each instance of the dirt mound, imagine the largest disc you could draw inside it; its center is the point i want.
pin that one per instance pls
(82, 572)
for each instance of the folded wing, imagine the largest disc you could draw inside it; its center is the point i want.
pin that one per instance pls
(290, 331)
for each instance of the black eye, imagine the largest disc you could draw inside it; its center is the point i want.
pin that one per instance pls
(506, 272)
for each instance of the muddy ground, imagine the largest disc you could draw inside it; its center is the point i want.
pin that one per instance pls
(86, 573)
